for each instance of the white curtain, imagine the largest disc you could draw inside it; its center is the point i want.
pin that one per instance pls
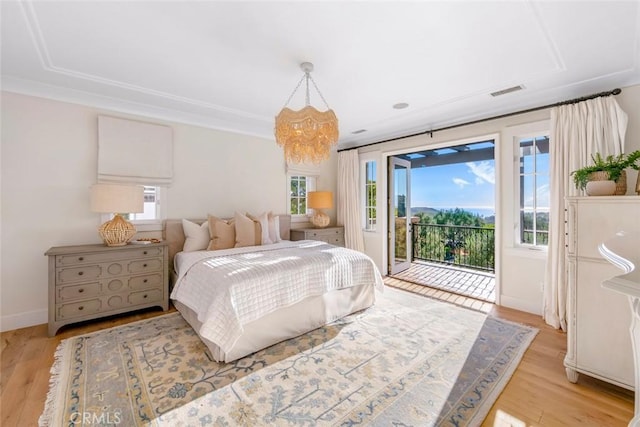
(349, 199)
(577, 131)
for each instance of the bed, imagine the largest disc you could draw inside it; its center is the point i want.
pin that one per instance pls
(241, 300)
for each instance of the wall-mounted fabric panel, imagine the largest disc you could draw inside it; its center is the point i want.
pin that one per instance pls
(134, 152)
(303, 169)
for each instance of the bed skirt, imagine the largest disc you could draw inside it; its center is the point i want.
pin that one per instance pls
(309, 314)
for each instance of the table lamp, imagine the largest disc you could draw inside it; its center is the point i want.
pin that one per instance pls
(117, 199)
(319, 200)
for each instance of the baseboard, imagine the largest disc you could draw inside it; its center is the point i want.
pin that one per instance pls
(522, 305)
(23, 320)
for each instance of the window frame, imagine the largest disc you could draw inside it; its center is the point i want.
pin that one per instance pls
(518, 176)
(310, 185)
(367, 223)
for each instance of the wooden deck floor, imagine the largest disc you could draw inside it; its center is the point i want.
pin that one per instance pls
(457, 280)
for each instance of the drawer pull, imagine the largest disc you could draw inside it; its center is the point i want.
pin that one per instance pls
(80, 290)
(81, 258)
(80, 273)
(144, 265)
(144, 296)
(81, 308)
(144, 253)
(145, 280)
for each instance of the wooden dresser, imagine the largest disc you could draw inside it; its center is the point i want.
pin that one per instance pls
(332, 235)
(92, 281)
(598, 339)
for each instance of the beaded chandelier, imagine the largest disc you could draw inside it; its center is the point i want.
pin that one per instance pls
(308, 134)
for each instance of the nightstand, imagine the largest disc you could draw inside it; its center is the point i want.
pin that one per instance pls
(332, 235)
(93, 281)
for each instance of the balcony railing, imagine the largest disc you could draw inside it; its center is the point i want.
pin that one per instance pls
(472, 247)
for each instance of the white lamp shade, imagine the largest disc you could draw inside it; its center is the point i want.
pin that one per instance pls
(116, 198)
(320, 200)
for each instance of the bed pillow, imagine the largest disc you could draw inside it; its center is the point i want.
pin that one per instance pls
(263, 220)
(274, 228)
(196, 236)
(248, 231)
(223, 233)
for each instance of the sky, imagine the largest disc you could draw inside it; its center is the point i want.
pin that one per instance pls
(464, 185)
(471, 185)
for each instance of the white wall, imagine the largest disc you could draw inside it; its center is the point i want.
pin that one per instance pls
(49, 161)
(519, 272)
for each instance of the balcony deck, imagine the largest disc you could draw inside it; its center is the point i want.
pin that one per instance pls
(457, 280)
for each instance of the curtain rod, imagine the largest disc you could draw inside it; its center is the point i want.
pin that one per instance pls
(616, 91)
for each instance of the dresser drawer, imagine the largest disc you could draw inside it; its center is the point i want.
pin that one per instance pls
(323, 234)
(118, 268)
(334, 240)
(331, 235)
(78, 274)
(143, 266)
(75, 292)
(98, 257)
(144, 297)
(78, 309)
(146, 281)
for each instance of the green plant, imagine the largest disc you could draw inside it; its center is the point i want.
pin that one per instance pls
(613, 165)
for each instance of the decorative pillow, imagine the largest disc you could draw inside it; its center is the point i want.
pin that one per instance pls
(274, 228)
(196, 236)
(248, 231)
(263, 220)
(223, 233)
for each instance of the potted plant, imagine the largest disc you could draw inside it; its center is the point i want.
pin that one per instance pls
(610, 168)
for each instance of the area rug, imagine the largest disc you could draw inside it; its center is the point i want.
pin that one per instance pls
(408, 360)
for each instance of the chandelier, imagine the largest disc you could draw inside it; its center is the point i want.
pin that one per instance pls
(308, 134)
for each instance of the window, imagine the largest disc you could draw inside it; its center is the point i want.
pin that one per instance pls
(370, 182)
(151, 205)
(534, 190)
(299, 186)
(151, 218)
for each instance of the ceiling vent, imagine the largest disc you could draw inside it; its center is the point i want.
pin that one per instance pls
(507, 90)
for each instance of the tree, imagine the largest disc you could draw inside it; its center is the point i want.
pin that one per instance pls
(455, 236)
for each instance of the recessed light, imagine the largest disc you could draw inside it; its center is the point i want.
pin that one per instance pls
(400, 105)
(355, 132)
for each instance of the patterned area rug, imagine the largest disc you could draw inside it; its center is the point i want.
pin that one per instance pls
(408, 360)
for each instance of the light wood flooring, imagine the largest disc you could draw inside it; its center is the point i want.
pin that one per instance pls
(538, 394)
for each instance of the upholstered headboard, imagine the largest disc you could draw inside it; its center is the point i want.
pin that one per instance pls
(173, 233)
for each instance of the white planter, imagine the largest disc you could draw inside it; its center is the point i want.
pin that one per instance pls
(601, 188)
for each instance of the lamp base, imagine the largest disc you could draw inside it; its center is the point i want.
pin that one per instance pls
(116, 232)
(320, 219)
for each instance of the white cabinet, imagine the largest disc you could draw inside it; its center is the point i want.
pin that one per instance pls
(598, 340)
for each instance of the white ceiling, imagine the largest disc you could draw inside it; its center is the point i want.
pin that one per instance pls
(232, 65)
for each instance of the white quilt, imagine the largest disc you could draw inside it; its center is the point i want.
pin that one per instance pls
(230, 288)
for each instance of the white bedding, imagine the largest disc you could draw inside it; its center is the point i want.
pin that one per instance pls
(230, 288)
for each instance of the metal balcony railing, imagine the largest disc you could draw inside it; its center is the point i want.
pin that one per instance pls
(472, 247)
